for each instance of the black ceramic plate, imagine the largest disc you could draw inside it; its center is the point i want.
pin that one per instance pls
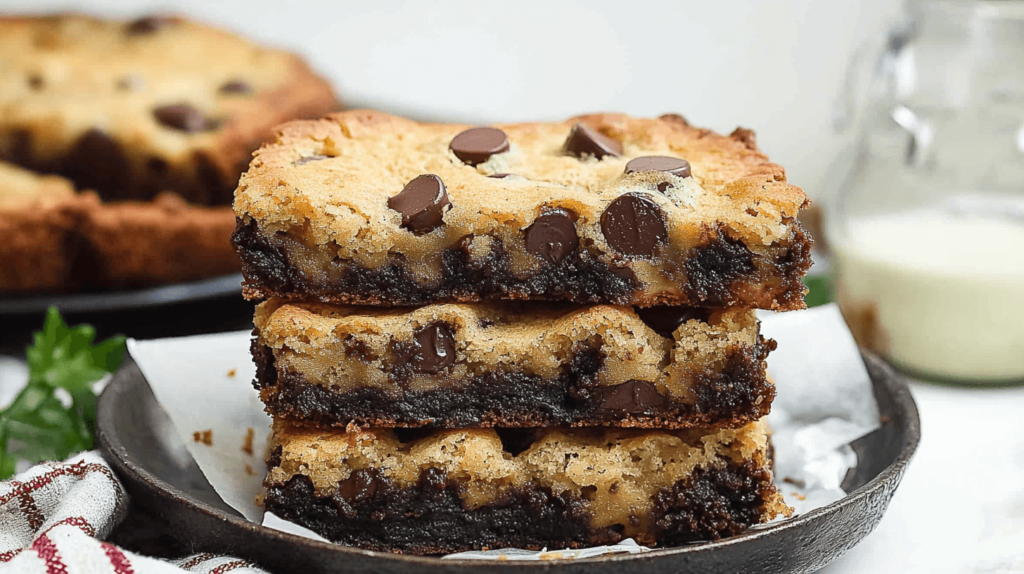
(122, 300)
(161, 477)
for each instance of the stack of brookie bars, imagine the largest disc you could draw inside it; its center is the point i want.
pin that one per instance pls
(530, 335)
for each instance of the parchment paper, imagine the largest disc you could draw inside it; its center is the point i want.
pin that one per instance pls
(824, 401)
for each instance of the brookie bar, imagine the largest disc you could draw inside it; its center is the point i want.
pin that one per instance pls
(429, 492)
(367, 208)
(511, 365)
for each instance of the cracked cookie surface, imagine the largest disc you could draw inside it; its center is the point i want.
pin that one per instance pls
(367, 208)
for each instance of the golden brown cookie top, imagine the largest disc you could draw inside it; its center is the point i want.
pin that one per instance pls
(339, 173)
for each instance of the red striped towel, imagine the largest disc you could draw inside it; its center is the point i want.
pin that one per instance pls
(54, 517)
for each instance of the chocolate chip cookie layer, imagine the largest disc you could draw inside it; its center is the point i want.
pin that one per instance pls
(429, 492)
(511, 365)
(131, 109)
(366, 208)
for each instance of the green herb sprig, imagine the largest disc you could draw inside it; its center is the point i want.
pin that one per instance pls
(54, 416)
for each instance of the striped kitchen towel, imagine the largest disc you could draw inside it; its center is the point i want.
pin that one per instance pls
(54, 517)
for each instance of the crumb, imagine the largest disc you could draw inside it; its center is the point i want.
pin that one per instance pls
(205, 437)
(247, 441)
(259, 499)
(883, 419)
(232, 372)
(798, 496)
(249, 470)
(794, 481)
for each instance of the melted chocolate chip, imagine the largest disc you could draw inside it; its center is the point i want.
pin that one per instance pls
(422, 204)
(632, 397)
(552, 236)
(183, 117)
(436, 350)
(633, 225)
(309, 158)
(665, 319)
(236, 87)
(673, 165)
(585, 141)
(151, 24)
(477, 145)
(360, 485)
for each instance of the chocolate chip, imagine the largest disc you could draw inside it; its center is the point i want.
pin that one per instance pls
(360, 485)
(585, 141)
(477, 145)
(435, 348)
(236, 87)
(151, 24)
(672, 165)
(632, 397)
(665, 319)
(499, 175)
(633, 225)
(309, 158)
(552, 236)
(422, 204)
(183, 117)
(35, 81)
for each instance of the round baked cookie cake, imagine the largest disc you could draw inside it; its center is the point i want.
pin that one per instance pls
(57, 239)
(135, 111)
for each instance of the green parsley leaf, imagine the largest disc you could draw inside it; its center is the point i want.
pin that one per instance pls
(819, 290)
(54, 416)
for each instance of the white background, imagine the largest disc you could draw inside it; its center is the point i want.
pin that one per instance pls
(773, 65)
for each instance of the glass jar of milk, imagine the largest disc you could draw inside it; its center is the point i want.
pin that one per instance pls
(928, 227)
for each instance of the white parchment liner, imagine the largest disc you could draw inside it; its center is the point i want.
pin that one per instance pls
(824, 402)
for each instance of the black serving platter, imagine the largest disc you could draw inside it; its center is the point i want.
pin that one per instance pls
(162, 478)
(122, 300)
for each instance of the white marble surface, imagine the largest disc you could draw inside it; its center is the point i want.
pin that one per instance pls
(961, 505)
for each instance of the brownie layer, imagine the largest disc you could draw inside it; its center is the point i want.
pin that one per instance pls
(479, 493)
(597, 209)
(717, 272)
(510, 365)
